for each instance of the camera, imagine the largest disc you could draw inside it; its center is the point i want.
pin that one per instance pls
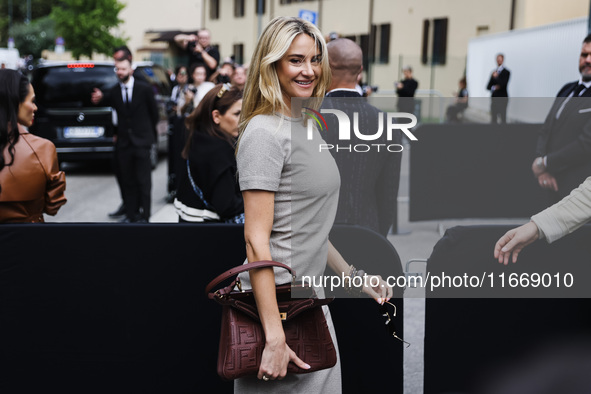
(193, 89)
(368, 88)
(171, 108)
(223, 78)
(191, 45)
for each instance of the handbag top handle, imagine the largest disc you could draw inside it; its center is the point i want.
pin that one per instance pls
(242, 268)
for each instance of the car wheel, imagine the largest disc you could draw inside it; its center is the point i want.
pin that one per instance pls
(154, 156)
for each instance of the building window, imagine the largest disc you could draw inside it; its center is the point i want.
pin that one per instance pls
(214, 9)
(238, 8)
(377, 50)
(238, 53)
(438, 41)
(425, 43)
(260, 6)
(381, 44)
(292, 1)
(363, 41)
(157, 57)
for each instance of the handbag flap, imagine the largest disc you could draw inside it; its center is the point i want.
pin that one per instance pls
(287, 309)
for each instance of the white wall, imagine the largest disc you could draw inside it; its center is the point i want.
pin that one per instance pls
(140, 16)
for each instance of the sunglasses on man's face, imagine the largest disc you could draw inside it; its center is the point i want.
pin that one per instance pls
(389, 322)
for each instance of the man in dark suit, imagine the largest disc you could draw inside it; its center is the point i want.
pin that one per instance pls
(137, 115)
(369, 180)
(563, 151)
(122, 52)
(497, 84)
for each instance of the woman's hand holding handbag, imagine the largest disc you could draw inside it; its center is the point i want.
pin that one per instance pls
(242, 338)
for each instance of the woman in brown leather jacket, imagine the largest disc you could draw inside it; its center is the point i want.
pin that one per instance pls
(30, 180)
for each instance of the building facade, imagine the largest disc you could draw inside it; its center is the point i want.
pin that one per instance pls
(430, 35)
(144, 19)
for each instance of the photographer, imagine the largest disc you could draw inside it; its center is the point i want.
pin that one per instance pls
(223, 74)
(239, 77)
(199, 50)
(177, 97)
(406, 89)
(367, 90)
(197, 89)
(176, 128)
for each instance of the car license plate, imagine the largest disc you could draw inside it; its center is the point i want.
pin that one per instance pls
(84, 132)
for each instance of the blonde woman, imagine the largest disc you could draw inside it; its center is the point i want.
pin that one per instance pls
(286, 220)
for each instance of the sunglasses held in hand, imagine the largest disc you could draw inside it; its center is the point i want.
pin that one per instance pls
(389, 322)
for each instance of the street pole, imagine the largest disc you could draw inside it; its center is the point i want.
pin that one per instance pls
(28, 20)
(370, 41)
(9, 18)
(260, 17)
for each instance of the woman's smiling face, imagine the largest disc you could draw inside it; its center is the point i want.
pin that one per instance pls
(299, 69)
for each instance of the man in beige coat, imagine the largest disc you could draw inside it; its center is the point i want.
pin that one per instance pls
(551, 224)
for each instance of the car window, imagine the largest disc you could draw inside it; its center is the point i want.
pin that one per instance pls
(63, 87)
(156, 77)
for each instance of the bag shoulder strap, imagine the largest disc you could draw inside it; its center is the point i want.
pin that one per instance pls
(197, 190)
(242, 268)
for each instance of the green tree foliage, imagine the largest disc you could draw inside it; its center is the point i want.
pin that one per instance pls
(86, 25)
(39, 8)
(34, 37)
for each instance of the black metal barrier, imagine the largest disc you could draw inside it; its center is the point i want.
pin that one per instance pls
(363, 336)
(510, 345)
(111, 308)
(474, 171)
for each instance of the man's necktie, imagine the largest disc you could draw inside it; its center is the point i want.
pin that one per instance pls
(577, 92)
(127, 100)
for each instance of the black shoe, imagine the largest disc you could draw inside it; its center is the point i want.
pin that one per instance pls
(118, 213)
(127, 219)
(135, 219)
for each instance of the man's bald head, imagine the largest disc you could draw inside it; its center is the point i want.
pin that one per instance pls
(346, 62)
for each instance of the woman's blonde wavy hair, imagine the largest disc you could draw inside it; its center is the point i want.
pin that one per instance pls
(262, 92)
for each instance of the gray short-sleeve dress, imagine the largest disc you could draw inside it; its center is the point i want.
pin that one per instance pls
(275, 155)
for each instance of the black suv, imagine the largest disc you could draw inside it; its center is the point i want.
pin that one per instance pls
(79, 129)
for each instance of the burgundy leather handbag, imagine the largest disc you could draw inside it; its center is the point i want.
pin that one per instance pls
(242, 338)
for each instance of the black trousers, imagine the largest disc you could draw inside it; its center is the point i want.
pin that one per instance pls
(117, 171)
(454, 110)
(136, 180)
(498, 110)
